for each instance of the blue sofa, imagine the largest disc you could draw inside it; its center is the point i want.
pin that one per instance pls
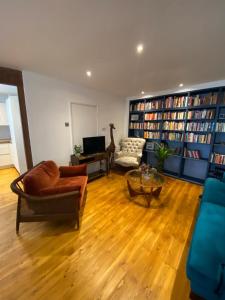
(206, 259)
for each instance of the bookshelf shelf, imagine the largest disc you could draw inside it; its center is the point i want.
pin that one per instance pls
(212, 163)
(200, 159)
(195, 117)
(174, 141)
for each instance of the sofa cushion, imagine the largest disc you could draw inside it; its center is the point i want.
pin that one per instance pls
(75, 181)
(44, 175)
(68, 171)
(208, 247)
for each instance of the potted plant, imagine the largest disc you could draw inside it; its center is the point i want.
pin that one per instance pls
(77, 150)
(162, 152)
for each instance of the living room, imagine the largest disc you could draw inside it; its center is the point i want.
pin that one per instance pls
(133, 94)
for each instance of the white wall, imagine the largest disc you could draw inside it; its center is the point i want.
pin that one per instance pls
(17, 141)
(3, 114)
(48, 108)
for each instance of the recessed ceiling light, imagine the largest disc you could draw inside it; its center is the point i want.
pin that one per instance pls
(88, 73)
(181, 84)
(140, 48)
(142, 92)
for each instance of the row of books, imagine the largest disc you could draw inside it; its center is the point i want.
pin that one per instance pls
(220, 127)
(151, 135)
(172, 136)
(201, 114)
(198, 138)
(200, 126)
(153, 116)
(173, 102)
(136, 125)
(218, 158)
(174, 115)
(152, 126)
(156, 104)
(140, 106)
(192, 153)
(208, 99)
(167, 125)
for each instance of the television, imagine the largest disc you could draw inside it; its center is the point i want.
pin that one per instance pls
(93, 144)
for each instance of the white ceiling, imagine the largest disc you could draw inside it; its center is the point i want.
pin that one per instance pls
(184, 41)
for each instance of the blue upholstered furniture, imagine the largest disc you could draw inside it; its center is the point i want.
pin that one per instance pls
(206, 260)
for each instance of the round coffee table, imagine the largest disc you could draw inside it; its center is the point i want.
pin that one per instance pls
(149, 185)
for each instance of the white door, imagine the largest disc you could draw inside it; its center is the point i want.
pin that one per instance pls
(84, 122)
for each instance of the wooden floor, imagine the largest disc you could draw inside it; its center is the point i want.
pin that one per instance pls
(122, 251)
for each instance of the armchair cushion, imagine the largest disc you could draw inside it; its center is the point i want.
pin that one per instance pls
(44, 175)
(127, 161)
(59, 189)
(70, 171)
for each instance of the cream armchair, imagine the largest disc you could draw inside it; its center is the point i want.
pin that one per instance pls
(130, 152)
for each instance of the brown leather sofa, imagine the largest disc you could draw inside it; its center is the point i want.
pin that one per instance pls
(48, 192)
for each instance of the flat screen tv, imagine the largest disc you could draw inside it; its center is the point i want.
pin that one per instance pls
(94, 144)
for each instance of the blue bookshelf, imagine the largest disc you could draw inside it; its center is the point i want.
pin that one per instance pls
(193, 123)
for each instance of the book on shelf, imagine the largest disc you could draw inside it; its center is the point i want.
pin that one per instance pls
(152, 125)
(134, 117)
(171, 125)
(140, 106)
(177, 151)
(201, 114)
(172, 136)
(220, 127)
(151, 135)
(153, 116)
(135, 125)
(150, 146)
(200, 126)
(205, 99)
(222, 115)
(192, 153)
(154, 104)
(174, 115)
(198, 138)
(218, 158)
(176, 102)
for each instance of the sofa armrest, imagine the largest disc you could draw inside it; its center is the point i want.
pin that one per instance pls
(214, 191)
(70, 171)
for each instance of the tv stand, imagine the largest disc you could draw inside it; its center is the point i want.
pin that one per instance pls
(90, 159)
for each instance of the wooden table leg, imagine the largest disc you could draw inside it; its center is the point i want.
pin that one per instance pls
(131, 191)
(157, 192)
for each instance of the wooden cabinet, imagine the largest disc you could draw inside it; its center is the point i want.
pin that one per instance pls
(5, 157)
(90, 159)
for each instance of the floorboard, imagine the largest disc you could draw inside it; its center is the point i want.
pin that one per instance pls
(122, 251)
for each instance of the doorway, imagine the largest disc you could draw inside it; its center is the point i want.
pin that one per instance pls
(12, 151)
(14, 79)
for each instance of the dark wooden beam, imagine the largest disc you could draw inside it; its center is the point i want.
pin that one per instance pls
(15, 78)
